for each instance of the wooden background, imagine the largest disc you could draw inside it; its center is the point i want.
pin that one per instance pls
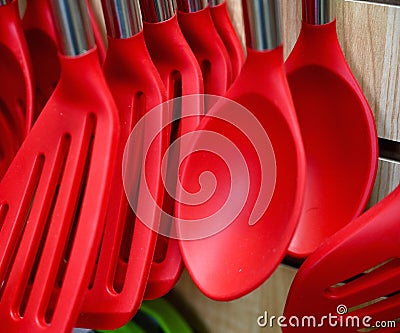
(370, 37)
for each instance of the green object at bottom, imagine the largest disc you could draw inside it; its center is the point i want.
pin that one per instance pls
(131, 327)
(168, 319)
(166, 316)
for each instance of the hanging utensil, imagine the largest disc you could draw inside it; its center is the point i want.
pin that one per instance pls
(123, 266)
(16, 96)
(41, 36)
(206, 45)
(231, 262)
(53, 198)
(227, 32)
(354, 274)
(181, 75)
(337, 127)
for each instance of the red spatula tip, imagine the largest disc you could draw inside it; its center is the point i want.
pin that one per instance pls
(355, 273)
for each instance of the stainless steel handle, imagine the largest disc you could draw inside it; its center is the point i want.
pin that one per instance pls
(157, 10)
(5, 2)
(73, 26)
(123, 18)
(214, 3)
(263, 22)
(191, 6)
(318, 12)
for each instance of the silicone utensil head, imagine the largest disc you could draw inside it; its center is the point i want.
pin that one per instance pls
(269, 164)
(127, 249)
(53, 197)
(337, 127)
(16, 96)
(353, 276)
(206, 45)
(43, 46)
(181, 75)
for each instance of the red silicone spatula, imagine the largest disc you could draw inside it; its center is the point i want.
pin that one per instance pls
(42, 40)
(181, 75)
(337, 127)
(354, 276)
(127, 248)
(228, 264)
(53, 198)
(16, 96)
(206, 45)
(227, 32)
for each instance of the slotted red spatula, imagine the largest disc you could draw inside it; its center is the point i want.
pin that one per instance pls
(337, 127)
(42, 40)
(354, 276)
(227, 32)
(181, 75)
(127, 248)
(206, 45)
(53, 198)
(262, 127)
(16, 95)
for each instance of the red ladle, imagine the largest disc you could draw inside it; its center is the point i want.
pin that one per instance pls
(206, 45)
(123, 266)
(181, 75)
(16, 79)
(354, 274)
(337, 127)
(227, 32)
(54, 196)
(231, 263)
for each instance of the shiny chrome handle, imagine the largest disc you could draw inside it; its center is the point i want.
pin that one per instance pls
(191, 6)
(73, 26)
(318, 12)
(157, 10)
(123, 18)
(263, 24)
(5, 2)
(214, 3)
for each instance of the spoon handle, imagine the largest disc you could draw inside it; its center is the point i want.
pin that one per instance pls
(262, 24)
(318, 12)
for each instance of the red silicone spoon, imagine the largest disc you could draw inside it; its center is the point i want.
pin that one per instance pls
(337, 127)
(229, 264)
(127, 249)
(41, 36)
(181, 75)
(354, 276)
(53, 198)
(227, 32)
(16, 96)
(206, 45)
